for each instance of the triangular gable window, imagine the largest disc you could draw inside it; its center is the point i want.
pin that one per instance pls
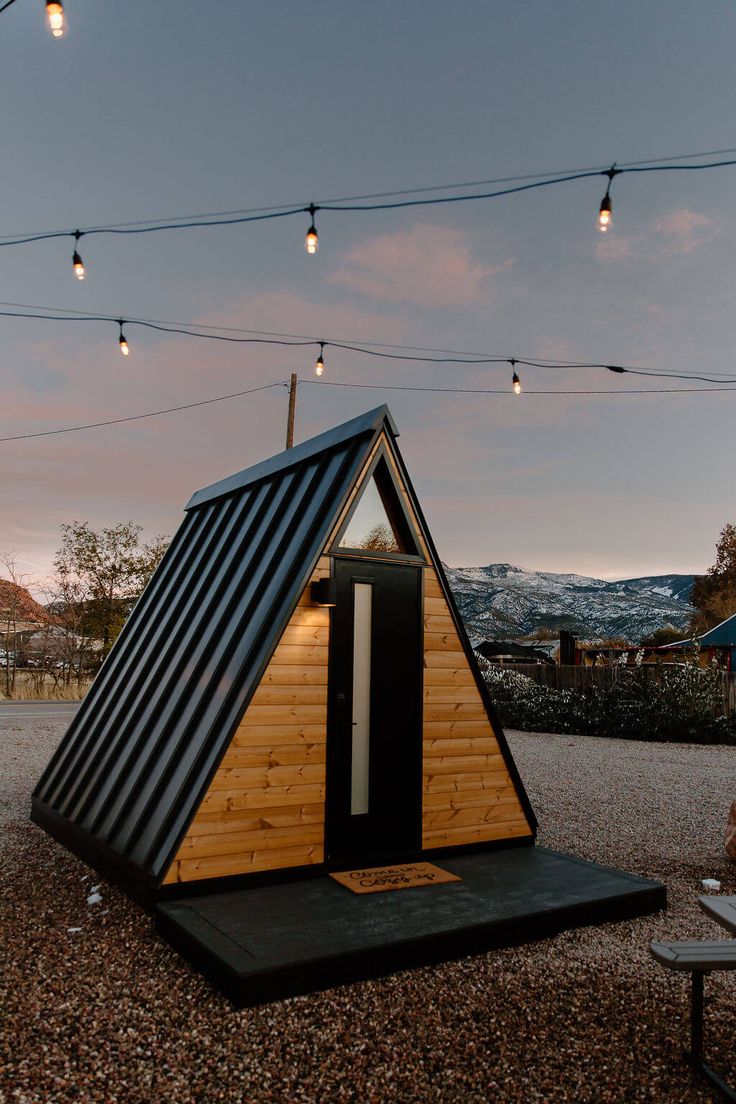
(378, 523)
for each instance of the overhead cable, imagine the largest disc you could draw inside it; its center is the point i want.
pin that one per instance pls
(385, 201)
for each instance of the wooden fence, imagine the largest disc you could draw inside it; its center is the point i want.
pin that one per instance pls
(585, 678)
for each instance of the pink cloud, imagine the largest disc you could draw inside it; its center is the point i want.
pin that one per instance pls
(426, 265)
(682, 231)
(146, 470)
(674, 233)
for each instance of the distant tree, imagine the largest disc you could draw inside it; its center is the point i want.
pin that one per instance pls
(379, 539)
(668, 634)
(104, 573)
(714, 594)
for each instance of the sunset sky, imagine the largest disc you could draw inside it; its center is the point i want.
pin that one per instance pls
(154, 110)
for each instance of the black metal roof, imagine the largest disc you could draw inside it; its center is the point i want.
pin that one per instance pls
(138, 757)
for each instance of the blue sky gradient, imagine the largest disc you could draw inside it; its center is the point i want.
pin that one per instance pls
(165, 109)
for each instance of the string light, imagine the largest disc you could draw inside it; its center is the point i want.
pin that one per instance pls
(605, 209)
(515, 381)
(370, 349)
(311, 242)
(124, 349)
(320, 365)
(222, 218)
(55, 15)
(77, 263)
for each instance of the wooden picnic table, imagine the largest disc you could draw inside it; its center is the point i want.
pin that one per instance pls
(722, 910)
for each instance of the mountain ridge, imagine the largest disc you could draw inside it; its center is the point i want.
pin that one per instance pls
(504, 600)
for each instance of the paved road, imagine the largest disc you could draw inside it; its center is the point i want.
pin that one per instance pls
(38, 709)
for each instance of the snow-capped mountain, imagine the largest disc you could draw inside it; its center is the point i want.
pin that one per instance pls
(502, 601)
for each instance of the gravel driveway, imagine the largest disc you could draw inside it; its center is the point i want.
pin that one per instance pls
(108, 1013)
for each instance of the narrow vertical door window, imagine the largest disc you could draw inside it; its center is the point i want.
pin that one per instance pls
(359, 793)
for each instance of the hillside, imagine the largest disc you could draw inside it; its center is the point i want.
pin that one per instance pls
(502, 601)
(16, 604)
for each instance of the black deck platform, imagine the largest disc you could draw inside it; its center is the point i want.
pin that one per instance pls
(263, 944)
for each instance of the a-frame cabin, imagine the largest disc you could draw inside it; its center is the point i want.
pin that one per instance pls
(293, 692)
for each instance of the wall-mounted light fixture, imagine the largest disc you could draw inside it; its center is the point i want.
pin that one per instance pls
(324, 592)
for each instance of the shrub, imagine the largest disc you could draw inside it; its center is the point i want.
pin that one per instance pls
(683, 706)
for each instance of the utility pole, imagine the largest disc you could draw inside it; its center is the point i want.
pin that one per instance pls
(292, 412)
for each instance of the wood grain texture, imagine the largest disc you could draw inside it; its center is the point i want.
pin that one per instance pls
(264, 809)
(468, 795)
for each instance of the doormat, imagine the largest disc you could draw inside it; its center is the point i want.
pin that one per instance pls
(379, 879)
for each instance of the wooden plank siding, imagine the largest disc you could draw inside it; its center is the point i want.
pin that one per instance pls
(265, 807)
(468, 795)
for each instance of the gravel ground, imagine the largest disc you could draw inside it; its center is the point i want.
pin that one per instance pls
(108, 1013)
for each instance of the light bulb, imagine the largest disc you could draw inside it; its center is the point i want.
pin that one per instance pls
(320, 365)
(604, 214)
(55, 15)
(122, 342)
(311, 242)
(516, 383)
(78, 265)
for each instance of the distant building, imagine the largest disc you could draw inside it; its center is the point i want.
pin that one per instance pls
(717, 644)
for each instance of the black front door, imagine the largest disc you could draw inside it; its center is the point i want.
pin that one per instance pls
(374, 738)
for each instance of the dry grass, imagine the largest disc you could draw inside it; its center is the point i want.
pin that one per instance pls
(40, 686)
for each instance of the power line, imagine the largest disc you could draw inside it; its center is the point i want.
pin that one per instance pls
(385, 201)
(360, 386)
(140, 417)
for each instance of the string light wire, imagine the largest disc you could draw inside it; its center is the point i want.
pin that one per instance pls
(384, 204)
(364, 348)
(467, 356)
(397, 192)
(506, 391)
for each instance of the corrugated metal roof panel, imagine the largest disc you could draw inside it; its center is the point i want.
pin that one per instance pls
(139, 756)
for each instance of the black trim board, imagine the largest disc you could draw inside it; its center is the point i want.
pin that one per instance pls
(469, 654)
(398, 516)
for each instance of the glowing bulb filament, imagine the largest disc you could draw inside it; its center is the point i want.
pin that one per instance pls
(311, 242)
(124, 349)
(78, 266)
(55, 15)
(516, 383)
(604, 214)
(320, 365)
